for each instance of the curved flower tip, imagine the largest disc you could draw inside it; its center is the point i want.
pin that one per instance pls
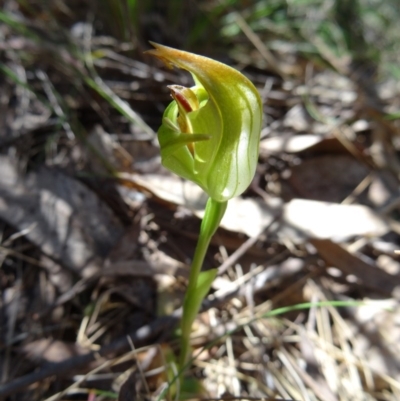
(210, 132)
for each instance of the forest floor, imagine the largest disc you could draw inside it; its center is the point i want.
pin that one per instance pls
(96, 237)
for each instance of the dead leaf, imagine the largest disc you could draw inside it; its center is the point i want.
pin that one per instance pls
(323, 220)
(329, 178)
(67, 221)
(289, 143)
(170, 188)
(297, 118)
(367, 274)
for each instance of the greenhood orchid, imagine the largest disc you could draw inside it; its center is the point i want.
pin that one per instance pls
(210, 132)
(210, 135)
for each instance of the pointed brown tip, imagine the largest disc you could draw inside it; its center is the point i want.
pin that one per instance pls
(158, 52)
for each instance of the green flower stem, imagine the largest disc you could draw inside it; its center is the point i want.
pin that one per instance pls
(199, 282)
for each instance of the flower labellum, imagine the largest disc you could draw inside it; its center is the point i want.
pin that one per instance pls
(210, 132)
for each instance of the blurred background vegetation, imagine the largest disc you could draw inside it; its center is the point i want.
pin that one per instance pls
(340, 34)
(78, 43)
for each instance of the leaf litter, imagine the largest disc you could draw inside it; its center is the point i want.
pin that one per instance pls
(96, 237)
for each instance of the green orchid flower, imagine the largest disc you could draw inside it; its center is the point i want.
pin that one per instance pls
(210, 132)
(210, 135)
